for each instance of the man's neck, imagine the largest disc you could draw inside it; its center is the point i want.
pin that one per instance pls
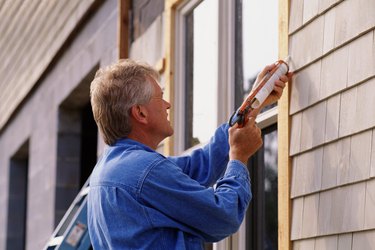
(144, 138)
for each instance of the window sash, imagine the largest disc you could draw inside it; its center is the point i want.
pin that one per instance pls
(225, 68)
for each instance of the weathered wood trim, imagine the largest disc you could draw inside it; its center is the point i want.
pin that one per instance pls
(160, 66)
(284, 160)
(123, 28)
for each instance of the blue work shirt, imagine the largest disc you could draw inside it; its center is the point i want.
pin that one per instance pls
(139, 199)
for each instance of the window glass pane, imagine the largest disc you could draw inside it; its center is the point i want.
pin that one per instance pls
(270, 190)
(256, 41)
(262, 232)
(256, 38)
(201, 73)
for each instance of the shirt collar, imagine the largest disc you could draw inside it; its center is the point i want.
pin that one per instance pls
(131, 143)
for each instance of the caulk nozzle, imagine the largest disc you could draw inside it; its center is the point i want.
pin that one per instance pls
(287, 59)
(290, 62)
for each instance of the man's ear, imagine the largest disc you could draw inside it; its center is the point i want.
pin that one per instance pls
(139, 113)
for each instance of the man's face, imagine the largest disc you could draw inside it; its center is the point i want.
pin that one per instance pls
(157, 113)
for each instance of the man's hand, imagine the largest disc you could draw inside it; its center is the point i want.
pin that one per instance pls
(245, 141)
(277, 90)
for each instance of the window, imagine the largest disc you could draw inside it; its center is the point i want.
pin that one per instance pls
(261, 219)
(201, 98)
(230, 58)
(257, 46)
(197, 78)
(76, 146)
(17, 205)
(256, 42)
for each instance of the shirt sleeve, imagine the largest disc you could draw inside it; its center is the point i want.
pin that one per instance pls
(176, 200)
(207, 164)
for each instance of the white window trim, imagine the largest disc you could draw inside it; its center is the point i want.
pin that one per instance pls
(226, 60)
(267, 118)
(179, 86)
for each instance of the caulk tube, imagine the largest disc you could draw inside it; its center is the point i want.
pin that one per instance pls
(281, 69)
(259, 94)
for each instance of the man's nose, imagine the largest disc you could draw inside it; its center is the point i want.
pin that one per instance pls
(167, 104)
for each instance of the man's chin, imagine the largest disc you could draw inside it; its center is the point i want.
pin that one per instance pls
(171, 132)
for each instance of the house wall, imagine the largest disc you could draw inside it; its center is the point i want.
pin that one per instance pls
(36, 120)
(332, 142)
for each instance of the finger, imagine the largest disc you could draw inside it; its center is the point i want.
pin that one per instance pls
(278, 91)
(258, 131)
(284, 78)
(260, 142)
(251, 120)
(254, 113)
(234, 127)
(266, 69)
(280, 84)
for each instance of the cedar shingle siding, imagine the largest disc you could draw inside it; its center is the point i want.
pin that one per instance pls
(332, 124)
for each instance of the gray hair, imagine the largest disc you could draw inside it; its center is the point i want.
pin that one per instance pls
(114, 90)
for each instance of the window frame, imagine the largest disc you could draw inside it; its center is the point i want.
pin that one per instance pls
(264, 120)
(225, 100)
(17, 201)
(180, 54)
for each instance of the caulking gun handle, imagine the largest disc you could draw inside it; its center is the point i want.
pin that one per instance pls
(238, 117)
(243, 123)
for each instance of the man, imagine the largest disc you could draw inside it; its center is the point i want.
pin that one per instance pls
(140, 199)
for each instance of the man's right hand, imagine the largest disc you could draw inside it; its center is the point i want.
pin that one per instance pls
(245, 141)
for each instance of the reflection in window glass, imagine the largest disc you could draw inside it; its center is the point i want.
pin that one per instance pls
(256, 41)
(201, 73)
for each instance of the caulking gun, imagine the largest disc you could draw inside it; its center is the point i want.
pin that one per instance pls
(259, 94)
